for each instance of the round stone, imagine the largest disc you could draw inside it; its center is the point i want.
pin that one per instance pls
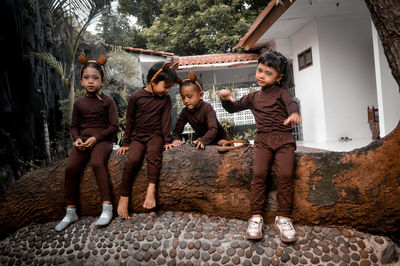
(198, 235)
(326, 258)
(249, 253)
(225, 259)
(346, 258)
(216, 257)
(346, 233)
(244, 245)
(269, 253)
(335, 258)
(305, 247)
(315, 260)
(216, 243)
(275, 261)
(335, 250)
(188, 235)
(236, 260)
(295, 260)
(205, 256)
(355, 257)
(181, 254)
(326, 249)
(279, 252)
(285, 258)
(378, 240)
(260, 251)
(205, 246)
(172, 253)
(190, 245)
(230, 251)
(317, 251)
(182, 244)
(365, 263)
(308, 255)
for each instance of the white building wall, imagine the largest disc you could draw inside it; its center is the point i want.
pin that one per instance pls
(308, 85)
(243, 73)
(348, 79)
(387, 89)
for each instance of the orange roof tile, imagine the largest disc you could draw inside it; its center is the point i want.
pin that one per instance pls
(215, 60)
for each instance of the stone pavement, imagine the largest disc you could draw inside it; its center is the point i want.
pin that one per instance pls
(175, 238)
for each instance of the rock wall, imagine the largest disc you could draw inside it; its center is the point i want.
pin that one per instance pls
(28, 87)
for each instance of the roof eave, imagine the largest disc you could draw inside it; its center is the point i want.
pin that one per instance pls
(263, 22)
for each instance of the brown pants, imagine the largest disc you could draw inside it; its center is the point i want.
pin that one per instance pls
(273, 148)
(77, 160)
(152, 147)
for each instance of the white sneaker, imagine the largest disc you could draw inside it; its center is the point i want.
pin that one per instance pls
(284, 226)
(255, 228)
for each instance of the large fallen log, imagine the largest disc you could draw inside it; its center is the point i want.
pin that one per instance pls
(360, 189)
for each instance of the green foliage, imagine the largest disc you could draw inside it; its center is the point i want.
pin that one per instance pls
(192, 27)
(114, 29)
(250, 134)
(146, 11)
(227, 124)
(122, 73)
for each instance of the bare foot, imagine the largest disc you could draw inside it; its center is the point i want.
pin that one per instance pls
(150, 201)
(123, 207)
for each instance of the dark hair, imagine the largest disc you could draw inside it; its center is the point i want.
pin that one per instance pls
(277, 61)
(94, 65)
(189, 83)
(168, 75)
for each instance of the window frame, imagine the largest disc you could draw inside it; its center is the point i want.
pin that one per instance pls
(303, 55)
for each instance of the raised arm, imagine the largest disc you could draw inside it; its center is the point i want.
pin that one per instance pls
(233, 106)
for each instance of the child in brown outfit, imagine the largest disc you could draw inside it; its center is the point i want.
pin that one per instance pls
(94, 122)
(200, 115)
(148, 128)
(274, 110)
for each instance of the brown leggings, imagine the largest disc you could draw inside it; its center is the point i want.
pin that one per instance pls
(273, 148)
(153, 149)
(77, 160)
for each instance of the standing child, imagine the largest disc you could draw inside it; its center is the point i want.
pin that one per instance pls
(148, 129)
(94, 123)
(274, 110)
(200, 115)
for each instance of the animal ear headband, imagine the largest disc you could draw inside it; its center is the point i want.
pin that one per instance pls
(193, 78)
(101, 60)
(165, 66)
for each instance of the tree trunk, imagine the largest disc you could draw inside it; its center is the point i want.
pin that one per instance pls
(386, 17)
(359, 188)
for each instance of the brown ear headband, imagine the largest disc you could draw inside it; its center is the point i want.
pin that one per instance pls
(101, 60)
(165, 66)
(193, 78)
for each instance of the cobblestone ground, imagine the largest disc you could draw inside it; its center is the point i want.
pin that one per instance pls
(173, 238)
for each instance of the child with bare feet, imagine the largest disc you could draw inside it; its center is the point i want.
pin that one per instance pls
(147, 132)
(200, 115)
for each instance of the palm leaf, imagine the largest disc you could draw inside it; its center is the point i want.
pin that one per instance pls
(52, 61)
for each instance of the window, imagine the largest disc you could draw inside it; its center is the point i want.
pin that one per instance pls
(305, 59)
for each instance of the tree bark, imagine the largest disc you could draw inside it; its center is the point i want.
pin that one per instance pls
(360, 189)
(386, 17)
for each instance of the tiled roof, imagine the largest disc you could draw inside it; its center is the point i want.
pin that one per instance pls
(146, 51)
(216, 60)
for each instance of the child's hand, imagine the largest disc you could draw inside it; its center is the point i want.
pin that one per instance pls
(89, 143)
(168, 146)
(79, 144)
(123, 150)
(199, 144)
(177, 142)
(293, 118)
(225, 95)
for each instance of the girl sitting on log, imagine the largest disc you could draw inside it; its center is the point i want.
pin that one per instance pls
(93, 125)
(274, 110)
(147, 132)
(200, 115)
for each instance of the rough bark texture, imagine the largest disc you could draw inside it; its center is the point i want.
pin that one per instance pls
(359, 188)
(386, 17)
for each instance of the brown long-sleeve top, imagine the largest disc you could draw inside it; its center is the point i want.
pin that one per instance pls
(203, 121)
(148, 113)
(92, 117)
(270, 107)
